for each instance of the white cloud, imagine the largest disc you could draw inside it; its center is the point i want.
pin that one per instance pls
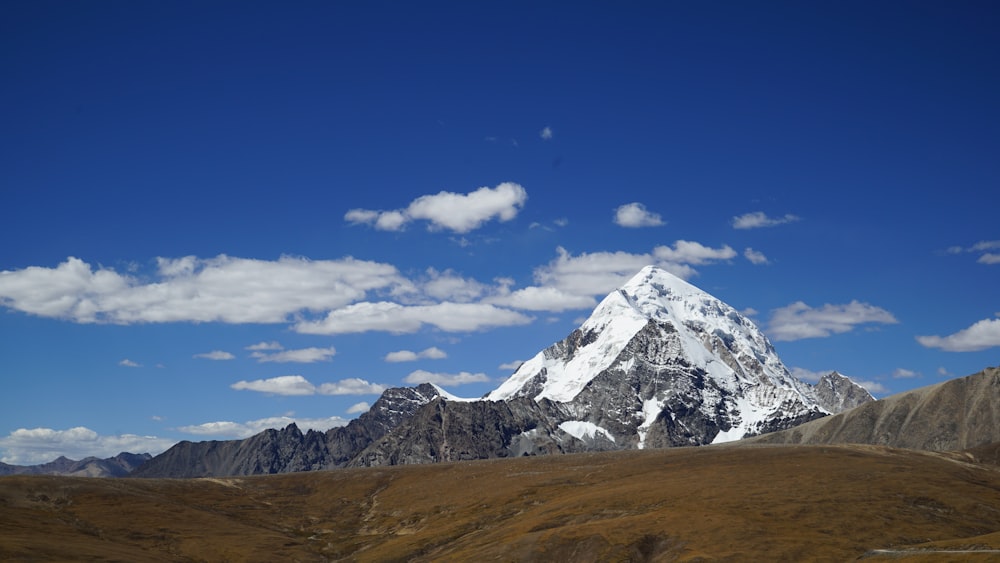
(351, 386)
(432, 353)
(399, 319)
(236, 430)
(421, 376)
(296, 385)
(302, 355)
(798, 320)
(358, 408)
(30, 446)
(450, 286)
(272, 345)
(689, 252)
(460, 213)
(755, 257)
(634, 215)
(129, 363)
(546, 133)
(873, 387)
(902, 373)
(281, 385)
(989, 258)
(512, 366)
(542, 299)
(189, 289)
(216, 355)
(980, 336)
(809, 375)
(758, 219)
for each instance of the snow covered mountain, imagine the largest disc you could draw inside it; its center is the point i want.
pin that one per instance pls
(662, 363)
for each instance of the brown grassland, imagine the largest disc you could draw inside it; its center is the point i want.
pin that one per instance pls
(742, 503)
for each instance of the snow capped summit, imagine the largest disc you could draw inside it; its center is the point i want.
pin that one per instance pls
(661, 362)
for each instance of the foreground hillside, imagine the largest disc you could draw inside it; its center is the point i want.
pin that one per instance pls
(792, 503)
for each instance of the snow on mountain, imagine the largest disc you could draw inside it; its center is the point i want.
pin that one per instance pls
(661, 362)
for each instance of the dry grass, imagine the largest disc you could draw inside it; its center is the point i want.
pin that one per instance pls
(767, 503)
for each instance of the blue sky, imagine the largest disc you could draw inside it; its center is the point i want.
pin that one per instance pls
(224, 216)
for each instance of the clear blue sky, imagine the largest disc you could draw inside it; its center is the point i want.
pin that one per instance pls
(224, 216)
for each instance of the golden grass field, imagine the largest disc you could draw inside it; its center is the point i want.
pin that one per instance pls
(730, 503)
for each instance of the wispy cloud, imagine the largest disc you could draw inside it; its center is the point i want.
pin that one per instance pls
(759, 219)
(984, 248)
(545, 133)
(755, 257)
(302, 355)
(218, 355)
(460, 213)
(358, 408)
(129, 363)
(432, 353)
(903, 373)
(798, 320)
(511, 366)
(445, 379)
(30, 446)
(296, 385)
(980, 336)
(634, 215)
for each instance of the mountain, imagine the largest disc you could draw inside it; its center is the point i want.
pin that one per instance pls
(659, 363)
(663, 363)
(117, 466)
(958, 414)
(289, 450)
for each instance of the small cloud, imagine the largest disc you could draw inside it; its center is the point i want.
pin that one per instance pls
(983, 247)
(755, 257)
(758, 219)
(545, 133)
(634, 215)
(989, 258)
(798, 320)
(511, 366)
(809, 375)
(216, 355)
(288, 385)
(943, 372)
(157, 418)
(262, 346)
(459, 213)
(129, 363)
(358, 408)
(301, 356)
(749, 312)
(444, 379)
(432, 353)
(351, 386)
(873, 387)
(980, 336)
(901, 373)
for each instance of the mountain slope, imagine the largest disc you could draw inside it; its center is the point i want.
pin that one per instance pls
(957, 414)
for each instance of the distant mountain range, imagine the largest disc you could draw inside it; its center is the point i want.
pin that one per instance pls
(659, 363)
(118, 466)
